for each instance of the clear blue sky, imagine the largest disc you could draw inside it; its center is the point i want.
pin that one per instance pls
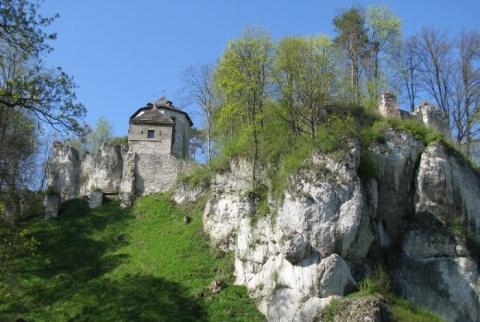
(122, 53)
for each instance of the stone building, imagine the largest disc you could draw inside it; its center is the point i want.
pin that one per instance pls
(160, 128)
(158, 149)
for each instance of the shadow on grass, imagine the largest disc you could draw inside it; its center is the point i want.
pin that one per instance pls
(137, 298)
(69, 245)
(65, 280)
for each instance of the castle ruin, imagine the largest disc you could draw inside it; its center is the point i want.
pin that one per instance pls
(157, 150)
(425, 112)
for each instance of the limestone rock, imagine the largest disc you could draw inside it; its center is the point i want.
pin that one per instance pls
(321, 238)
(445, 285)
(95, 199)
(127, 186)
(295, 247)
(335, 277)
(52, 205)
(448, 188)
(103, 170)
(64, 172)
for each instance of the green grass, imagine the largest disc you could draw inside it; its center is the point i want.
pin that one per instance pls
(378, 285)
(111, 264)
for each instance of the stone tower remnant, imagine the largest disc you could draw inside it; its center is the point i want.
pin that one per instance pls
(425, 112)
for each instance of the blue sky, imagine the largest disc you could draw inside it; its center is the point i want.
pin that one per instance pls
(122, 53)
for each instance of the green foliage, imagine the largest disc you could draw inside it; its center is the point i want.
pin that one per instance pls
(91, 139)
(118, 140)
(329, 312)
(113, 264)
(379, 283)
(404, 310)
(26, 84)
(335, 134)
(201, 175)
(398, 309)
(14, 242)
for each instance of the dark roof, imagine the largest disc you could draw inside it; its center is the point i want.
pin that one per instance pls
(150, 115)
(155, 115)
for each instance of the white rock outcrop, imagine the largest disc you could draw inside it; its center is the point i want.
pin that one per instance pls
(293, 262)
(329, 229)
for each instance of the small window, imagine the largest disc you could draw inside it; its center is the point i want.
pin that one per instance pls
(151, 134)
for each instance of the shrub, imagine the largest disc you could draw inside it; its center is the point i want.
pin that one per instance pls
(379, 283)
(200, 176)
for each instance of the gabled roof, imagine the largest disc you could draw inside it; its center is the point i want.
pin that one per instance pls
(152, 113)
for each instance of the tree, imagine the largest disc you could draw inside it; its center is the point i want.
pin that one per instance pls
(466, 107)
(352, 38)
(17, 159)
(407, 70)
(197, 141)
(384, 37)
(32, 96)
(433, 50)
(199, 89)
(92, 138)
(242, 77)
(45, 93)
(305, 77)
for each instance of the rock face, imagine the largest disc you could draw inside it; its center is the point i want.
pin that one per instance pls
(114, 169)
(103, 170)
(329, 229)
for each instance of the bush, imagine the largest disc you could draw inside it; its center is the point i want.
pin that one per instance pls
(119, 140)
(379, 283)
(200, 176)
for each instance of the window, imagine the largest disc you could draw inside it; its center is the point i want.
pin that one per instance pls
(151, 134)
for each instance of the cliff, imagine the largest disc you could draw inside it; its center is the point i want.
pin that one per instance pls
(419, 217)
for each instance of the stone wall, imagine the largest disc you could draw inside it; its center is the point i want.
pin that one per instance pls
(389, 106)
(424, 112)
(432, 117)
(64, 172)
(138, 132)
(181, 135)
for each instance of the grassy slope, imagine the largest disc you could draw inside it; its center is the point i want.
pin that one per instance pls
(110, 264)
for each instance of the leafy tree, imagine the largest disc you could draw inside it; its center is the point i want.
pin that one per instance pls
(197, 141)
(17, 159)
(242, 77)
(45, 93)
(32, 96)
(352, 38)
(384, 37)
(305, 78)
(91, 139)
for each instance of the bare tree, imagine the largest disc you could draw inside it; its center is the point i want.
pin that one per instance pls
(466, 106)
(198, 88)
(434, 53)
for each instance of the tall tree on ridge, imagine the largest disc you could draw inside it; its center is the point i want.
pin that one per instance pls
(242, 77)
(305, 77)
(199, 89)
(384, 38)
(353, 39)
